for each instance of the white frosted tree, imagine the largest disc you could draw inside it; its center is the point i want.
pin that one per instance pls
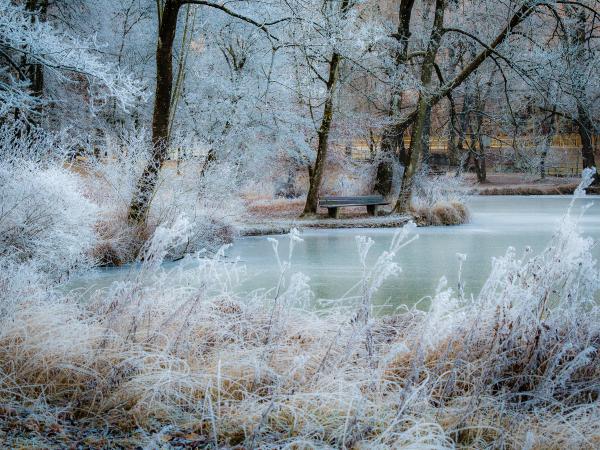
(27, 40)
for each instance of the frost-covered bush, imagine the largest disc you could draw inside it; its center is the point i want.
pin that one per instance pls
(439, 200)
(45, 219)
(110, 182)
(208, 201)
(211, 203)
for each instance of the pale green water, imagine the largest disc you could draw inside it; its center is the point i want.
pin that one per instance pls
(330, 257)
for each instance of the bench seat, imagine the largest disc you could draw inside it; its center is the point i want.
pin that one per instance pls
(333, 204)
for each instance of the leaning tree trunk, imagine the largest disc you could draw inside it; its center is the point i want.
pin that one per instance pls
(419, 142)
(142, 197)
(315, 172)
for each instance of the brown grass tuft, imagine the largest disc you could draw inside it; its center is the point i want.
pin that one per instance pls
(441, 213)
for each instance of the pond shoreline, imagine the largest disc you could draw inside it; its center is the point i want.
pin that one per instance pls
(526, 190)
(271, 227)
(267, 225)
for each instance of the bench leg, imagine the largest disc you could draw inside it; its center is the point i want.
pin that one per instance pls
(334, 213)
(372, 210)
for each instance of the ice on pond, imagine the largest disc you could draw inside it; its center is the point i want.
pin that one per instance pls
(330, 257)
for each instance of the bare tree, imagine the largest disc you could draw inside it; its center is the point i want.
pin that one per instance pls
(316, 171)
(168, 12)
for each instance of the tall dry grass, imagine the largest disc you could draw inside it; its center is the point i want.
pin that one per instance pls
(439, 200)
(140, 364)
(209, 202)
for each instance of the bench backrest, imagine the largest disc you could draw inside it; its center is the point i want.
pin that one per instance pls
(354, 201)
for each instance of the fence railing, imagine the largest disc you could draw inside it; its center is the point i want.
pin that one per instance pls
(359, 149)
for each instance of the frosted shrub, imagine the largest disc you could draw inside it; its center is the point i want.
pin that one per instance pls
(346, 176)
(44, 218)
(110, 182)
(439, 200)
(207, 203)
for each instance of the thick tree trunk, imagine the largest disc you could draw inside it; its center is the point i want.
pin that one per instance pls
(391, 151)
(316, 172)
(419, 142)
(393, 135)
(418, 136)
(142, 197)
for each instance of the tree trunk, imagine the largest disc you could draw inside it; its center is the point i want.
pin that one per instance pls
(393, 135)
(479, 146)
(479, 158)
(550, 130)
(35, 71)
(419, 133)
(426, 138)
(586, 132)
(585, 123)
(142, 197)
(453, 155)
(419, 142)
(316, 172)
(463, 125)
(452, 148)
(391, 150)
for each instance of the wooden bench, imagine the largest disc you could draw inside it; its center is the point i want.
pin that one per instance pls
(333, 204)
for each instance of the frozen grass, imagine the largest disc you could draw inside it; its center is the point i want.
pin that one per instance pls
(440, 213)
(559, 189)
(141, 364)
(207, 202)
(275, 208)
(439, 200)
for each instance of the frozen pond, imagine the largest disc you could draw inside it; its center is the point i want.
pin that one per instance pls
(330, 257)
